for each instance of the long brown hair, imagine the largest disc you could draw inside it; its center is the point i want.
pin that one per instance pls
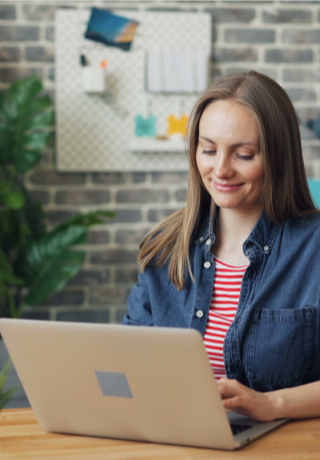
(286, 193)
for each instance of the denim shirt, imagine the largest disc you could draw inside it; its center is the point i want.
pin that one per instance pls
(274, 340)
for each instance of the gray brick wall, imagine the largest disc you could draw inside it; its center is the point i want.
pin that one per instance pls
(280, 39)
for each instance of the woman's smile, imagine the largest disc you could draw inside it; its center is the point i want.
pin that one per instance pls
(227, 187)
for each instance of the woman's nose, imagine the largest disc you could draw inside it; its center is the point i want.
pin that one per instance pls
(223, 167)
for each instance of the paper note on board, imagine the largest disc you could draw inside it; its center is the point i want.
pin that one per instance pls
(177, 71)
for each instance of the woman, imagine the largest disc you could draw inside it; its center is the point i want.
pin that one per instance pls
(249, 223)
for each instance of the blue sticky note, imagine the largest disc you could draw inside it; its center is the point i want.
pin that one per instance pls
(314, 186)
(145, 126)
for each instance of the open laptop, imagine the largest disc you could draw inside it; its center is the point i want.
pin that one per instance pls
(128, 382)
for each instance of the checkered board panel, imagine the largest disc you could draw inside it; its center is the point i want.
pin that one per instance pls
(93, 130)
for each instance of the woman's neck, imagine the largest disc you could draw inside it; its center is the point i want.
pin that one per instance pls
(232, 230)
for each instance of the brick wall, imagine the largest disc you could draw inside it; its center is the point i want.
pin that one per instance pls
(281, 39)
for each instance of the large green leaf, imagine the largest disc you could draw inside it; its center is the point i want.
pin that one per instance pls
(86, 220)
(56, 278)
(28, 158)
(6, 271)
(47, 263)
(10, 196)
(39, 105)
(21, 217)
(6, 145)
(23, 91)
(24, 125)
(7, 109)
(39, 121)
(34, 215)
(18, 226)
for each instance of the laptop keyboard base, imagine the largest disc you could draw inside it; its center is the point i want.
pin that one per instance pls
(236, 429)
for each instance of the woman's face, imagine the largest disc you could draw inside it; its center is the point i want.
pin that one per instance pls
(229, 158)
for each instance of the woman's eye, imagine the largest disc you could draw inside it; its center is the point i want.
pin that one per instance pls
(245, 157)
(209, 152)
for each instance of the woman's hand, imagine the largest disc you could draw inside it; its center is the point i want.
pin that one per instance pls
(297, 402)
(244, 401)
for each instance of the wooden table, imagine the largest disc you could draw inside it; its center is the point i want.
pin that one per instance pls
(22, 438)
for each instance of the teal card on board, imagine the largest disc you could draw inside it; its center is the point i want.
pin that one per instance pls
(145, 126)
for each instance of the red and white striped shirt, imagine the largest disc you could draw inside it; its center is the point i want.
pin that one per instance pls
(223, 307)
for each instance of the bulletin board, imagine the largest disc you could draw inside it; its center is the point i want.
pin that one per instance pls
(94, 132)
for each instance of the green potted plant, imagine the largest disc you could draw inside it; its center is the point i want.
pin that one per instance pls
(35, 261)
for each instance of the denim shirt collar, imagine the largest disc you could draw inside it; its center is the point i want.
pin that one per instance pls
(261, 238)
(206, 231)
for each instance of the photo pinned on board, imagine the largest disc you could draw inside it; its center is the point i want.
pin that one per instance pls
(111, 29)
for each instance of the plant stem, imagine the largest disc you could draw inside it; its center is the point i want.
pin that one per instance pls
(2, 291)
(6, 294)
(19, 310)
(13, 310)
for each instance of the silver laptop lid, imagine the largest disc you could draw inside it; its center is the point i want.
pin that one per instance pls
(139, 383)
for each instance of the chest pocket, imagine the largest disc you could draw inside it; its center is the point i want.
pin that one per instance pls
(280, 347)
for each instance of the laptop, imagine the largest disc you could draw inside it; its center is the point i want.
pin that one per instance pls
(129, 382)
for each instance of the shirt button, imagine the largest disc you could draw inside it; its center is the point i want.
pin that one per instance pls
(201, 239)
(199, 313)
(207, 265)
(266, 248)
(208, 242)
